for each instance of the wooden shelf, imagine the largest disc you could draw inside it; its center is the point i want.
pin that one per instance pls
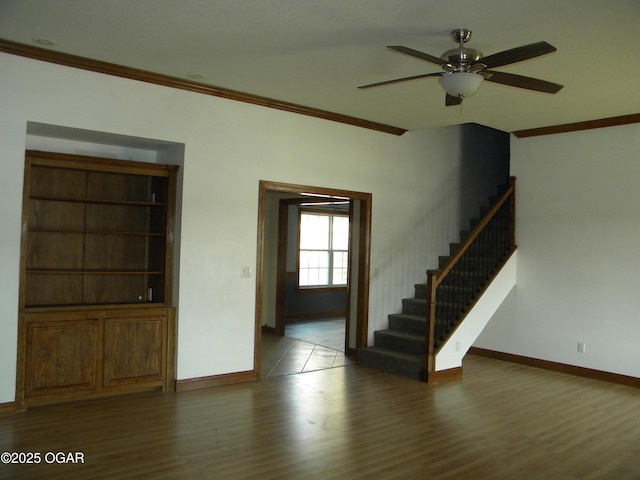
(96, 275)
(86, 217)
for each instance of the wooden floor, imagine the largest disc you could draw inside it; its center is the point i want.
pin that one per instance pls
(501, 421)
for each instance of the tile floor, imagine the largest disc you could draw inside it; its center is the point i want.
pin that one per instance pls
(287, 356)
(328, 332)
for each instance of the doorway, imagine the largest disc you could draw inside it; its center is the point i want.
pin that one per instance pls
(270, 283)
(312, 277)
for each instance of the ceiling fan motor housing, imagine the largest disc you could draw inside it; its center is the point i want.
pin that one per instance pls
(461, 59)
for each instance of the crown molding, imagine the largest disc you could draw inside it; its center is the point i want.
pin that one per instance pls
(74, 61)
(574, 127)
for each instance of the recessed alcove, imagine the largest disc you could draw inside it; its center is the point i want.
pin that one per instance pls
(97, 310)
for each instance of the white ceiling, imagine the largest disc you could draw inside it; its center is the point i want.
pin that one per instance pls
(316, 53)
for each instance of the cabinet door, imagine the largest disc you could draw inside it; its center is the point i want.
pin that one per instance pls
(134, 349)
(61, 357)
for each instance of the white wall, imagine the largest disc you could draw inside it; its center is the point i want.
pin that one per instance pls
(578, 232)
(451, 354)
(228, 148)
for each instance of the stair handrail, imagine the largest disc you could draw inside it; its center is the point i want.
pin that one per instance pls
(436, 277)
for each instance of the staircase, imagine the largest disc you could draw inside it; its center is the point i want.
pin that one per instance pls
(408, 347)
(400, 348)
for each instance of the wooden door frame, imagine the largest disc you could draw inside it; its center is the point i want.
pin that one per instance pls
(364, 247)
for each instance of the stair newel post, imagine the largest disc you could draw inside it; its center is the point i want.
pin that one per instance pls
(428, 359)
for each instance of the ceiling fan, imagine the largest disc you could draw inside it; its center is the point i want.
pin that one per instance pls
(464, 69)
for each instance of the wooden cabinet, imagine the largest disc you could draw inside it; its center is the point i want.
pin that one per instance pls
(96, 311)
(80, 353)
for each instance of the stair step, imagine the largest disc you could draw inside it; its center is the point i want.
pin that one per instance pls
(414, 306)
(421, 290)
(400, 341)
(416, 324)
(391, 361)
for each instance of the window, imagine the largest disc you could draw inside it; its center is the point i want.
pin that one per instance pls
(324, 250)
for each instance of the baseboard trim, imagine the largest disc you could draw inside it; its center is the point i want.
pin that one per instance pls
(9, 408)
(444, 375)
(199, 383)
(558, 367)
(268, 329)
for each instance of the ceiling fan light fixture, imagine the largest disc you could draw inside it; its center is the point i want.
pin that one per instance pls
(461, 84)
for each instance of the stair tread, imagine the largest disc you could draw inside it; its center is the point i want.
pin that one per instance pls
(401, 334)
(395, 353)
(409, 315)
(415, 300)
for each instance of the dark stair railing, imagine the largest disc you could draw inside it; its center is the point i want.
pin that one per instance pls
(455, 288)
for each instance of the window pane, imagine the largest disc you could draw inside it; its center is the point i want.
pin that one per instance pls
(314, 268)
(314, 231)
(323, 249)
(340, 264)
(303, 278)
(340, 233)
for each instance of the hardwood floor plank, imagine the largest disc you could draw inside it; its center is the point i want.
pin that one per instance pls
(501, 421)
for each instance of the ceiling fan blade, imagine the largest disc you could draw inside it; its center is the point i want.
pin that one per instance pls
(450, 100)
(517, 54)
(416, 54)
(398, 80)
(521, 81)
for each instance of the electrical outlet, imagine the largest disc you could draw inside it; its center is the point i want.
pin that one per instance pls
(245, 272)
(582, 347)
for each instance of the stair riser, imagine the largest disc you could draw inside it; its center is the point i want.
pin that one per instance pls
(421, 291)
(410, 307)
(399, 344)
(394, 365)
(409, 325)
